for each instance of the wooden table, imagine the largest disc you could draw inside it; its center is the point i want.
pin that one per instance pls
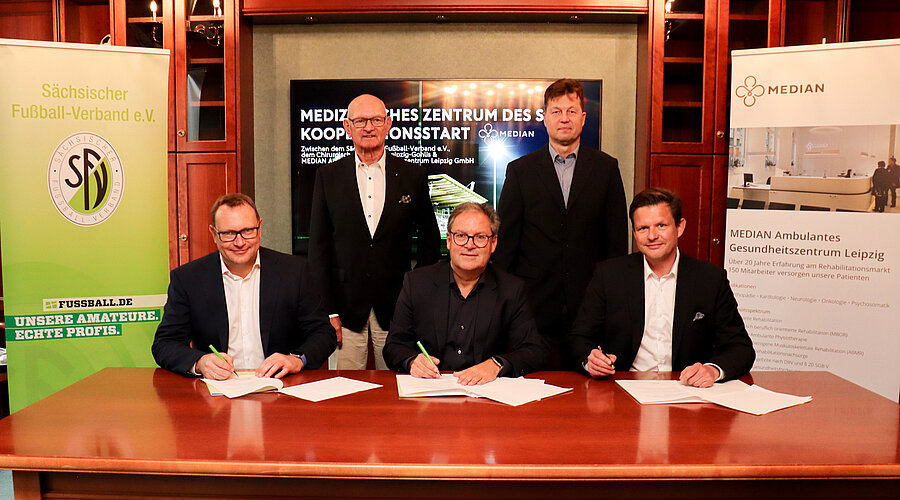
(134, 432)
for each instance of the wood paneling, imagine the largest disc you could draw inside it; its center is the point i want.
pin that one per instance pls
(201, 178)
(27, 20)
(690, 177)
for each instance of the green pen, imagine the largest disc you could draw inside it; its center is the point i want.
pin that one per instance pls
(216, 352)
(422, 348)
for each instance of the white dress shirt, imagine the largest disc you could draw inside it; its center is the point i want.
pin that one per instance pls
(655, 353)
(242, 302)
(370, 179)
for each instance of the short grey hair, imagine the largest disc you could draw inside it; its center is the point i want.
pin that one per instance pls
(471, 206)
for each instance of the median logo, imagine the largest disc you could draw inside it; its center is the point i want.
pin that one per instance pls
(751, 90)
(85, 179)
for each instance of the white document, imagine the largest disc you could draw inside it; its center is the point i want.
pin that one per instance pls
(733, 394)
(321, 390)
(242, 385)
(757, 400)
(517, 391)
(414, 387)
(511, 391)
(648, 392)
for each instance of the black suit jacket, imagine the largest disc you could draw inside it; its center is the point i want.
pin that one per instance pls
(290, 317)
(554, 247)
(357, 272)
(706, 327)
(505, 325)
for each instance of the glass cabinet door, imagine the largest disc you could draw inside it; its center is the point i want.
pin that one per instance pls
(204, 75)
(683, 75)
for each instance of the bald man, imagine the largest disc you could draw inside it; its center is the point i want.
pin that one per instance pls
(366, 209)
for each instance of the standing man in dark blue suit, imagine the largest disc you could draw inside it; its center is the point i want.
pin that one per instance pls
(661, 310)
(252, 304)
(366, 210)
(563, 210)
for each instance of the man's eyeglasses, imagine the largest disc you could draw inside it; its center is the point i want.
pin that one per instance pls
(247, 233)
(480, 240)
(377, 121)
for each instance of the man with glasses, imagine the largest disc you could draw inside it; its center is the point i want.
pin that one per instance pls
(470, 317)
(254, 305)
(367, 207)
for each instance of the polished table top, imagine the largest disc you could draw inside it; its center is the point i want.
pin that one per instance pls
(150, 420)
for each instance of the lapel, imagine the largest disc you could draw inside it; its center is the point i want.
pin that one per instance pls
(215, 302)
(392, 194)
(546, 175)
(269, 287)
(683, 303)
(485, 315)
(635, 300)
(581, 176)
(441, 313)
(349, 188)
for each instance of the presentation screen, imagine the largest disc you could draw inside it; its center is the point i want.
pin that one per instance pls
(464, 132)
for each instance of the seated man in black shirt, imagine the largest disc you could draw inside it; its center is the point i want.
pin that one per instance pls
(471, 317)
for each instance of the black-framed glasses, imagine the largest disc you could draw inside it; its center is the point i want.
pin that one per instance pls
(248, 233)
(377, 121)
(480, 240)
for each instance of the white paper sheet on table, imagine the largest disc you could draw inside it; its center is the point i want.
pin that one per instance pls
(243, 384)
(648, 392)
(733, 394)
(757, 400)
(321, 390)
(511, 391)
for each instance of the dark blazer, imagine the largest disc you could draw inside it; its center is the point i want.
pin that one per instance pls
(290, 317)
(552, 247)
(505, 325)
(357, 272)
(706, 327)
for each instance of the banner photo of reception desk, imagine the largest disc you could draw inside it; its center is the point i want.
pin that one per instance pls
(813, 234)
(464, 132)
(83, 210)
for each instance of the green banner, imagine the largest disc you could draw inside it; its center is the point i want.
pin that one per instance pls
(83, 210)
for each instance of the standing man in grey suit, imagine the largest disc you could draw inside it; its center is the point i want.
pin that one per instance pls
(661, 310)
(563, 210)
(367, 208)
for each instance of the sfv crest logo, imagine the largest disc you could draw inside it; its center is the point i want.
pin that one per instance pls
(749, 91)
(85, 179)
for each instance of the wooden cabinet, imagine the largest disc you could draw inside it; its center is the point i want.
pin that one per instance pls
(690, 70)
(691, 177)
(207, 137)
(200, 179)
(79, 21)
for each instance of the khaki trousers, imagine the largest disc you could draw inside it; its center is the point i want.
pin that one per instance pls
(355, 350)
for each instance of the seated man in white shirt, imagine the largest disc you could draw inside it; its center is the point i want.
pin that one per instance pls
(252, 304)
(660, 310)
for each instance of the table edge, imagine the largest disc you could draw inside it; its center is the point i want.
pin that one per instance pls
(449, 472)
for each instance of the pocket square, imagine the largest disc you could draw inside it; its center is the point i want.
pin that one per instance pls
(698, 316)
(405, 198)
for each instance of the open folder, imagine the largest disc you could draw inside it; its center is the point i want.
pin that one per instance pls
(511, 391)
(243, 384)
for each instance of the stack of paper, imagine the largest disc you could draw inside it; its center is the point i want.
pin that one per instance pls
(733, 394)
(511, 391)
